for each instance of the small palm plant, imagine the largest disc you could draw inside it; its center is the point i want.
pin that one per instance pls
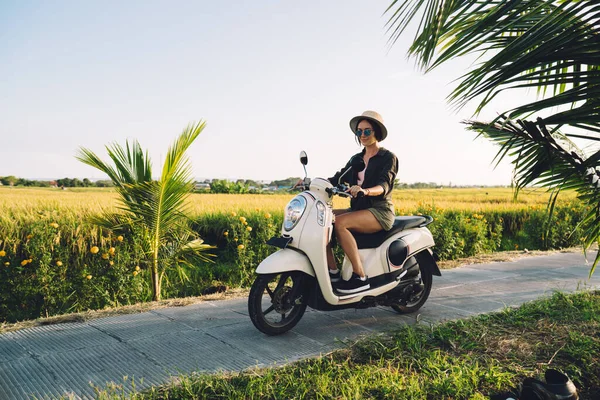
(154, 210)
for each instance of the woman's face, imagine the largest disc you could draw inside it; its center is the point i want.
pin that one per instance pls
(366, 140)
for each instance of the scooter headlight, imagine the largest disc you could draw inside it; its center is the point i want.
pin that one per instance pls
(293, 212)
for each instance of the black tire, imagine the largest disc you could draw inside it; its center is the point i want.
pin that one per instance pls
(415, 301)
(277, 302)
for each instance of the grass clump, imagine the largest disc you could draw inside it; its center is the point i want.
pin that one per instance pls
(464, 359)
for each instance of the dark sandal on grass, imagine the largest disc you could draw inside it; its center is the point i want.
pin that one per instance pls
(558, 386)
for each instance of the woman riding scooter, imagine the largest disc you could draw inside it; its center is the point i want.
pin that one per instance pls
(371, 209)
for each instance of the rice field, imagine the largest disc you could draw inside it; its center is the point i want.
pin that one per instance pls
(406, 200)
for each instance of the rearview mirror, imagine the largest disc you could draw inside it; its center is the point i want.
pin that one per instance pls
(303, 157)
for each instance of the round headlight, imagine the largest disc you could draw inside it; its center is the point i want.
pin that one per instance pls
(293, 212)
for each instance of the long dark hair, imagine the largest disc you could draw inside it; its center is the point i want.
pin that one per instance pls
(376, 130)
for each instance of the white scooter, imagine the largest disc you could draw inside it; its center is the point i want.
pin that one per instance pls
(399, 262)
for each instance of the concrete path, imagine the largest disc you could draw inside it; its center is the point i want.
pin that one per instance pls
(69, 359)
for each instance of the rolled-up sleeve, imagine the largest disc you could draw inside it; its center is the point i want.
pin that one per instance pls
(387, 173)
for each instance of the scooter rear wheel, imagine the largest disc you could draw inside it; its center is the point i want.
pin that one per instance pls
(277, 302)
(418, 297)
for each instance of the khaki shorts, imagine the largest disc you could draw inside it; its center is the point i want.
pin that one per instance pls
(384, 215)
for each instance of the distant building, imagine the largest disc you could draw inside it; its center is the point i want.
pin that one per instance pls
(201, 186)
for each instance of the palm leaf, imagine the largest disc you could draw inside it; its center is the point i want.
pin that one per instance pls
(551, 161)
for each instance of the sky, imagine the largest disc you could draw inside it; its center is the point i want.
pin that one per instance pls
(270, 78)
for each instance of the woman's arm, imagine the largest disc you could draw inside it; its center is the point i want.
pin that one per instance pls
(386, 176)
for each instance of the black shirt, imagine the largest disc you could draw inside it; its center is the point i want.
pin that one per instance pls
(381, 170)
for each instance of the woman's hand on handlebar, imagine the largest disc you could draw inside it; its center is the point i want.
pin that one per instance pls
(356, 191)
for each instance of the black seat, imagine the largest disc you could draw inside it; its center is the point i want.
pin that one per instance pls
(373, 240)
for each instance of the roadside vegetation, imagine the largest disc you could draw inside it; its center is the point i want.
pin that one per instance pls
(54, 261)
(465, 359)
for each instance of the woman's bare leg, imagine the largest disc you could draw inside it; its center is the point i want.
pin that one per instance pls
(362, 221)
(328, 250)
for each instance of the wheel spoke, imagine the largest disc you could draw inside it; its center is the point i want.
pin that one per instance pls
(270, 292)
(281, 281)
(268, 310)
(282, 317)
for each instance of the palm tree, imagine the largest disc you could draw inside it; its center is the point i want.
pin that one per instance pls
(155, 210)
(550, 45)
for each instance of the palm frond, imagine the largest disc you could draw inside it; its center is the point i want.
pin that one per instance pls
(528, 43)
(549, 160)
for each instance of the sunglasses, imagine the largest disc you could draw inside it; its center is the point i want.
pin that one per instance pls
(367, 132)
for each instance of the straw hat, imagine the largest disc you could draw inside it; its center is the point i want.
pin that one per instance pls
(374, 118)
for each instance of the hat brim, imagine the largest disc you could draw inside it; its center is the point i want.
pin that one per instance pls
(354, 125)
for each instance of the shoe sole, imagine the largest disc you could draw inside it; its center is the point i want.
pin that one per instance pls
(355, 290)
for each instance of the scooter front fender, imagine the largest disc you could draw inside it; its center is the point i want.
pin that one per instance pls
(285, 260)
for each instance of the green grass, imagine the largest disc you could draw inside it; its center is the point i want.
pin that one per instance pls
(464, 359)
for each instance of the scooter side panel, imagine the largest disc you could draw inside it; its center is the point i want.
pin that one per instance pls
(285, 260)
(417, 239)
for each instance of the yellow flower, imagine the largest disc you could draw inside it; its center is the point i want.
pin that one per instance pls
(7, 263)
(249, 229)
(24, 263)
(105, 256)
(516, 247)
(245, 223)
(257, 209)
(88, 277)
(235, 239)
(59, 263)
(233, 214)
(2, 253)
(267, 215)
(111, 251)
(135, 273)
(240, 246)
(242, 219)
(94, 250)
(225, 233)
(29, 236)
(111, 262)
(137, 268)
(120, 238)
(54, 225)
(270, 225)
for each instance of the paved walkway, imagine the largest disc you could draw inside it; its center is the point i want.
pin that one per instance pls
(67, 359)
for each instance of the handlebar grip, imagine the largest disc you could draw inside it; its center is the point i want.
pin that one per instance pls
(360, 194)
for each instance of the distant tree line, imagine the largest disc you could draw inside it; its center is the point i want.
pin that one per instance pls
(12, 180)
(208, 185)
(416, 185)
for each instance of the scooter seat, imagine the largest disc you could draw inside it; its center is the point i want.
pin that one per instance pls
(373, 240)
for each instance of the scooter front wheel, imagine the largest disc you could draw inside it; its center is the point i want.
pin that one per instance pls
(277, 302)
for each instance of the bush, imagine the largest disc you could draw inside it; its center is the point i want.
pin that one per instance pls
(52, 263)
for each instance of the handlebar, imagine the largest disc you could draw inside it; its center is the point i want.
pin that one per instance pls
(339, 190)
